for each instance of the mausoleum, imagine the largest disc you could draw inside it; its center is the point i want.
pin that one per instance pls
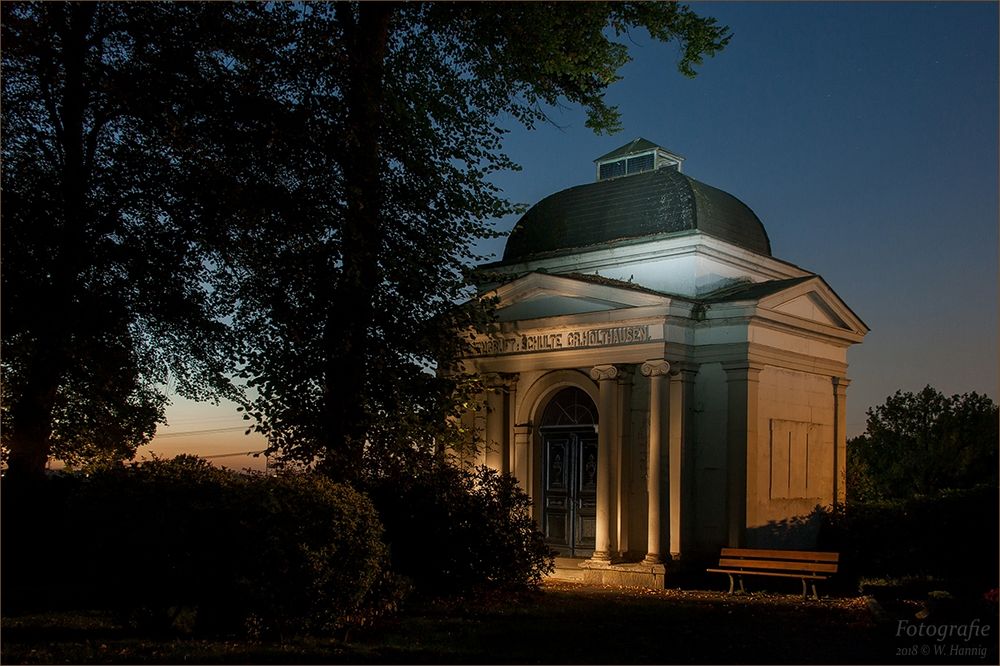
(659, 383)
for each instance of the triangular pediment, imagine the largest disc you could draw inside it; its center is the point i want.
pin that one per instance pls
(815, 302)
(811, 306)
(538, 295)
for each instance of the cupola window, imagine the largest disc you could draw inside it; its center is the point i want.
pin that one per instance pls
(636, 157)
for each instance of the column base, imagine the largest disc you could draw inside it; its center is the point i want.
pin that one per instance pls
(653, 559)
(636, 574)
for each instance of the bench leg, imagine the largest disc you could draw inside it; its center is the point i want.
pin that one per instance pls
(815, 596)
(732, 584)
(803, 588)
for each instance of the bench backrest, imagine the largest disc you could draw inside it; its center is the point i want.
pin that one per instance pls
(779, 560)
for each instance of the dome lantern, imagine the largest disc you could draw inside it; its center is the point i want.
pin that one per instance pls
(640, 195)
(637, 156)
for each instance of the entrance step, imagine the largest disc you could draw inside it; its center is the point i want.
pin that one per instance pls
(625, 574)
(568, 569)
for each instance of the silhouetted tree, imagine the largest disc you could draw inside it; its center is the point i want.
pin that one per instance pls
(920, 443)
(313, 174)
(104, 269)
(358, 220)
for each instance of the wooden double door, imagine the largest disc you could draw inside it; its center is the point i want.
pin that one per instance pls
(570, 489)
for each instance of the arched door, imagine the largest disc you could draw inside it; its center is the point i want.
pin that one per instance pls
(569, 449)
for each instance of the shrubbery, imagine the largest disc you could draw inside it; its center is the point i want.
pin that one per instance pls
(951, 535)
(191, 544)
(186, 545)
(451, 530)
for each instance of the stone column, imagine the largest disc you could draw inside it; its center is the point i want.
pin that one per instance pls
(839, 439)
(511, 421)
(467, 454)
(522, 457)
(605, 375)
(681, 459)
(478, 430)
(620, 467)
(496, 421)
(659, 431)
(743, 383)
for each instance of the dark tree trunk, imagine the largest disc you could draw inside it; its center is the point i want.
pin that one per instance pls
(31, 421)
(351, 312)
(32, 410)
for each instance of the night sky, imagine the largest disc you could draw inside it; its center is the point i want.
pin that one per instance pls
(863, 135)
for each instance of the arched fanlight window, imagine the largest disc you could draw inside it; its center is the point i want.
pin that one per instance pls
(571, 406)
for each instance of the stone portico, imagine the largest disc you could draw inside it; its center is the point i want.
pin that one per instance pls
(657, 381)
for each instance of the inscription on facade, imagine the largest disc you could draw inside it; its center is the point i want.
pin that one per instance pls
(572, 339)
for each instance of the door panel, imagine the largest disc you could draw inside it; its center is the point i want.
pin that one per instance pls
(556, 465)
(586, 492)
(558, 494)
(570, 491)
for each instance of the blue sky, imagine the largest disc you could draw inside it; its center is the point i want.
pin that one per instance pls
(864, 136)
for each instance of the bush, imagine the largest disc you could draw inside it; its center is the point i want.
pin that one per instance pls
(315, 557)
(154, 536)
(185, 543)
(951, 535)
(453, 531)
(37, 559)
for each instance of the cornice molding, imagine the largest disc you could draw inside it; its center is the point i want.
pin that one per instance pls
(736, 353)
(651, 248)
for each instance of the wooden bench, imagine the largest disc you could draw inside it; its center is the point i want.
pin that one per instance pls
(803, 564)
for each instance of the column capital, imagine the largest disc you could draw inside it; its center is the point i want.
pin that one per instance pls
(492, 380)
(502, 381)
(742, 370)
(840, 383)
(684, 370)
(605, 372)
(656, 367)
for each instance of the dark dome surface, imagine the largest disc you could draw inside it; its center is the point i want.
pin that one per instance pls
(646, 204)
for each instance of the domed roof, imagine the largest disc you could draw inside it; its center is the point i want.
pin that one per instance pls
(651, 203)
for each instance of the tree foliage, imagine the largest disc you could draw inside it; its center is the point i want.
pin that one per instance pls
(313, 174)
(103, 269)
(353, 232)
(921, 443)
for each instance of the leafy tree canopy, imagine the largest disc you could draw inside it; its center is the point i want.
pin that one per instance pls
(103, 271)
(358, 181)
(312, 174)
(924, 442)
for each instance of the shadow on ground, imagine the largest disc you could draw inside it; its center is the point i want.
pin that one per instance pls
(563, 623)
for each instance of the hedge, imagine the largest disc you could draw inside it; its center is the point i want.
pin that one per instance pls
(952, 536)
(182, 542)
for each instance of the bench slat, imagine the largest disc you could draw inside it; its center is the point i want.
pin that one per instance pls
(802, 564)
(768, 573)
(806, 555)
(778, 566)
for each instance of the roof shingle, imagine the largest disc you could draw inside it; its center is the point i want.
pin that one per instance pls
(645, 204)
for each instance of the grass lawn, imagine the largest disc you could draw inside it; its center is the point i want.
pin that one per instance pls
(563, 623)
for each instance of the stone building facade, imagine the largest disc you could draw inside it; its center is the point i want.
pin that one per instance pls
(659, 383)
